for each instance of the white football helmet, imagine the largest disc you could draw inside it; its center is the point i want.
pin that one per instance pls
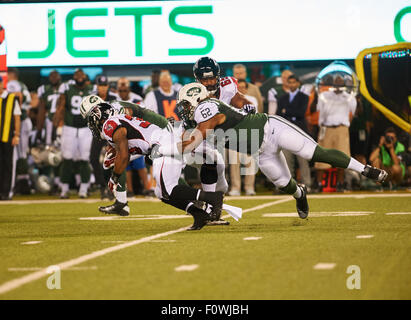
(193, 92)
(88, 103)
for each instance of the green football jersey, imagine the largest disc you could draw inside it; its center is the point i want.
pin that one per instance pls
(74, 97)
(248, 129)
(145, 114)
(50, 95)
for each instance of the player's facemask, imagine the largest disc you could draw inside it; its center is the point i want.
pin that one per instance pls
(96, 118)
(211, 88)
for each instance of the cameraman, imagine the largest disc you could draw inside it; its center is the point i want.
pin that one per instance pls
(385, 156)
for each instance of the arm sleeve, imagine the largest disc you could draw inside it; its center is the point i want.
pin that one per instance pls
(205, 111)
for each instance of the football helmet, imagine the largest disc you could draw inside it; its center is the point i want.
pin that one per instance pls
(46, 155)
(207, 68)
(188, 99)
(88, 103)
(97, 116)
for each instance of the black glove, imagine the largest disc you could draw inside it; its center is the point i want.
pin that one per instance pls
(249, 108)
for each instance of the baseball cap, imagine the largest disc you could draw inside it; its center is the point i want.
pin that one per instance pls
(102, 80)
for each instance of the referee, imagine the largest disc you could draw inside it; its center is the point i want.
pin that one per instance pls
(9, 138)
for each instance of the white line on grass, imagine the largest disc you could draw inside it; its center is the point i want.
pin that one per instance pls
(190, 267)
(365, 236)
(16, 283)
(324, 266)
(31, 242)
(397, 213)
(268, 197)
(252, 238)
(319, 214)
(38, 268)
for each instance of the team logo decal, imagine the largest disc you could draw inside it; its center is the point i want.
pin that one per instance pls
(193, 91)
(93, 99)
(109, 127)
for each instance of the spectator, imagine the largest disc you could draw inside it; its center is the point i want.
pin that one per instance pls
(275, 93)
(103, 91)
(385, 156)
(335, 107)
(9, 138)
(124, 91)
(163, 100)
(293, 106)
(235, 176)
(240, 73)
(76, 138)
(155, 77)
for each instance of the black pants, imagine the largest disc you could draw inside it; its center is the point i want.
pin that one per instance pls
(6, 168)
(95, 151)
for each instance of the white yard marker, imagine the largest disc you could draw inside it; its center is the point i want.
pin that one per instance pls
(113, 241)
(163, 241)
(17, 283)
(31, 242)
(365, 236)
(38, 268)
(137, 217)
(252, 238)
(190, 267)
(319, 214)
(397, 213)
(324, 266)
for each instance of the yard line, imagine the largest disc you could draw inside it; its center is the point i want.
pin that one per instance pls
(252, 238)
(31, 242)
(397, 213)
(324, 266)
(365, 236)
(266, 197)
(190, 267)
(38, 268)
(16, 283)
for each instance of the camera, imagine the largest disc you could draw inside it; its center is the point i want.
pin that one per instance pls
(388, 139)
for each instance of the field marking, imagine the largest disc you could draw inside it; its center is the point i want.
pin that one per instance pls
(18, 282)
(190, 267)
(266, 197)
(319, 214)
(38, 268)
(165, 241)
(324, 266)
(365, 236)
(252, 238)
(397, 213)
(136, 217)
(31, 242)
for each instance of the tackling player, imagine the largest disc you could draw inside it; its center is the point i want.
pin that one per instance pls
(267, 135)
(133, 137)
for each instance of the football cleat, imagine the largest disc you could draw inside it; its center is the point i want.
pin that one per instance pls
(302, 203)
(216, 200)
(117, 207)
(200, 219)
(375, 174)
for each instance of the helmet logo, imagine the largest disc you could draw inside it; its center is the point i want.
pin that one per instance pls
(193, 91)
(93, 99)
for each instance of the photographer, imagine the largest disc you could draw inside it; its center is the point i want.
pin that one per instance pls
(385, 156)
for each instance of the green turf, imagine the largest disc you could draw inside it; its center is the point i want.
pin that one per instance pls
(278, 266)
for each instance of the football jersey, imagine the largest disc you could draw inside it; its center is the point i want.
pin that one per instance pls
(74, 96)
(245, 125)
(50, 96)
(139, 111)
(141, 135)
(228, 89)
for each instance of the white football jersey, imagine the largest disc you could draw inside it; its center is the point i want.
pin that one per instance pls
(228, 89)
(141, 134)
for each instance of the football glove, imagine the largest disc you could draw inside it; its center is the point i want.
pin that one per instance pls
(249, 108)
(153, 152)
(109, 158)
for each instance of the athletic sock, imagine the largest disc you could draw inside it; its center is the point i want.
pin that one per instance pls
(356, 166)
(290, 188)
(83, 188)
(208, 187)
(64, 188)
(336, 158)
(121, 196)
(298, 193)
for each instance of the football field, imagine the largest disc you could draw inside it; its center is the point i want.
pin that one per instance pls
(352, 246)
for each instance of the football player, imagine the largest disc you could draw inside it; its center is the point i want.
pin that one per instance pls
(131, 137)
(265, 135)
